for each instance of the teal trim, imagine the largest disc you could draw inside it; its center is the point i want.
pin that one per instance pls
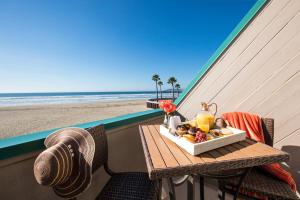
(18, 145)
(227, 42)
(14, 146)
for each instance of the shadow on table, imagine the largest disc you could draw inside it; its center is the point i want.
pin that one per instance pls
(294, 164)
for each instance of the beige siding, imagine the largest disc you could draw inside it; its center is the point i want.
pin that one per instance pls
(260, 73)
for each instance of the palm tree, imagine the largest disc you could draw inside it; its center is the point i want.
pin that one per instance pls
(160, 83)
(177, 86)
(171, 81)
(156, 78)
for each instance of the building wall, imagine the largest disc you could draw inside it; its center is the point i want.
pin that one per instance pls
(259, 73)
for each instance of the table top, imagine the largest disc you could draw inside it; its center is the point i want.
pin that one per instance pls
(165, 159)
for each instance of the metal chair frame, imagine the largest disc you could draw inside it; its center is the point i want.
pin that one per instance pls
(268, 128)
(101, 154)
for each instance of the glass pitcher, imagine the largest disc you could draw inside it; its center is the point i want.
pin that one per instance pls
(205, 119)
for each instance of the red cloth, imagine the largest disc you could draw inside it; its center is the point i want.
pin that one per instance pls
(253, 127)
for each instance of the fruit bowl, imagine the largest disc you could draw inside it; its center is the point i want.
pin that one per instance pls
(205, 145)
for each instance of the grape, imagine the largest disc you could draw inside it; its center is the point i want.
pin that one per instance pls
(200, 137)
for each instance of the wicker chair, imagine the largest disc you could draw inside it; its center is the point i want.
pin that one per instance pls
(121, 186)
(257, 181)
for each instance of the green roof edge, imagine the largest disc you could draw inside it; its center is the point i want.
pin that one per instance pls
(14, 146)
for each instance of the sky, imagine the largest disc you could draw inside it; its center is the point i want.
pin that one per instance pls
(109, 45)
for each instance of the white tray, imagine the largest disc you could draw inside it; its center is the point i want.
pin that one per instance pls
(197, 148)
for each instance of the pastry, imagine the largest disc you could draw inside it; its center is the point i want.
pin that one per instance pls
(216, 132)
(192, 130)
(181, 130)
(189, 138)
(226, 131)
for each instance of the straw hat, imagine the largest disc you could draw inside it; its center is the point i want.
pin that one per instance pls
(66, 164)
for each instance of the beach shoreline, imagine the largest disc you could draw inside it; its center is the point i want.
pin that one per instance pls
(19, 120)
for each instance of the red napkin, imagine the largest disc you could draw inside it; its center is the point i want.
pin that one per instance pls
(253, 127)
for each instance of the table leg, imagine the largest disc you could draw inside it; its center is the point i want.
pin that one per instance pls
(172, 193)
(190, 189)
(179, 181)
(159, 189)
(243, 176)
(201, 183)
(221, 194)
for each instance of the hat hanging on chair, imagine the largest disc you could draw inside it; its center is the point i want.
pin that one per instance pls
(66, 164)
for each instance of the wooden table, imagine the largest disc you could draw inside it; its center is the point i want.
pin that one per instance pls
(165, 159)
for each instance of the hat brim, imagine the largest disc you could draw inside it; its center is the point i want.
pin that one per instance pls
(82, 144)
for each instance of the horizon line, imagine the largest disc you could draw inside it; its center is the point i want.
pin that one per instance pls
(114, 91)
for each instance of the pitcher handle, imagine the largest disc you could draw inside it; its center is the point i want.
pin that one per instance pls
(216, 108)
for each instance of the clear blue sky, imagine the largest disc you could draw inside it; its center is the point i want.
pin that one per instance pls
(109, 45)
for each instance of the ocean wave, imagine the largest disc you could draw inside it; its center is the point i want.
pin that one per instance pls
(45, 99)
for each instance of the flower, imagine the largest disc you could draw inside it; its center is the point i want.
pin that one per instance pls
(162, 103)
(167, 106)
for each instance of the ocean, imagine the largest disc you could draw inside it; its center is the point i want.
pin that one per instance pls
(22, 99)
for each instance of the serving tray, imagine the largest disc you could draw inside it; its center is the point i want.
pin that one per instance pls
(197, 148)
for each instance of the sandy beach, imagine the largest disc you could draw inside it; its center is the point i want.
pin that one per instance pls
(19, 120)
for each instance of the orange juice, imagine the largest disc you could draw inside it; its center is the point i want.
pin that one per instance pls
(211, 119)
(205, 121)
(204, 127)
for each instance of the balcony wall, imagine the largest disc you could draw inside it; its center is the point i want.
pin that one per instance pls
(260, 73)
(125, 154)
